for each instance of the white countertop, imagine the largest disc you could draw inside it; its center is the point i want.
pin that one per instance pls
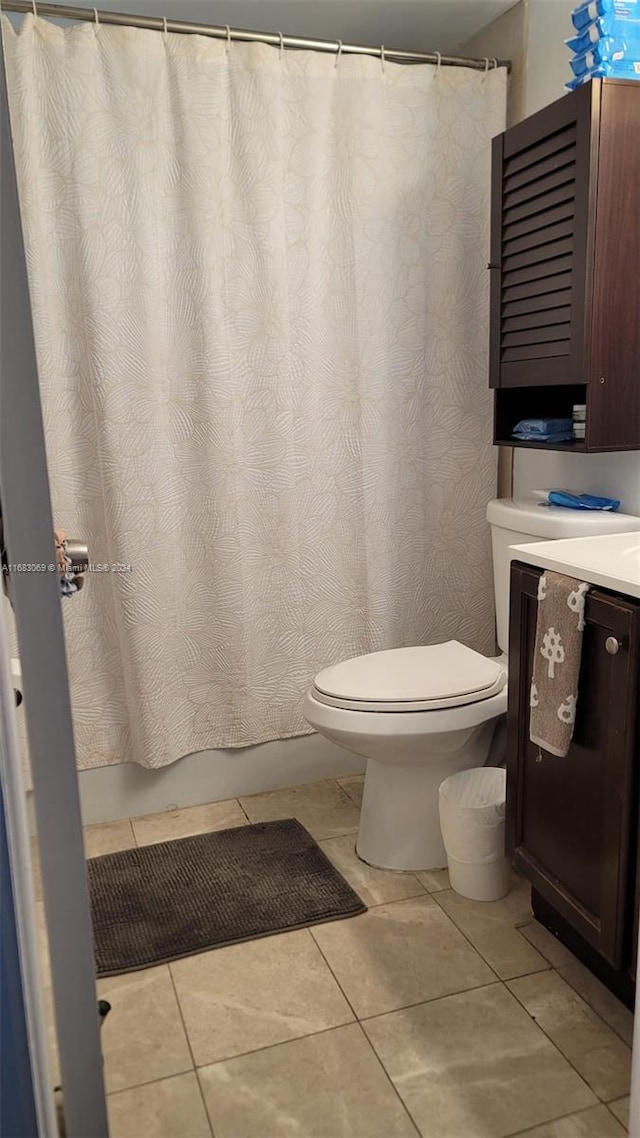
(611, 561)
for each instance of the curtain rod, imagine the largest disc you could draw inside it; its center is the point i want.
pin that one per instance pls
(157, 24)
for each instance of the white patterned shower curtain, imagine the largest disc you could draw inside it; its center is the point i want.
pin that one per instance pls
(260, 301)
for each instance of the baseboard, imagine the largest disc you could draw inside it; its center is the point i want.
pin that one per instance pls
(127, 790)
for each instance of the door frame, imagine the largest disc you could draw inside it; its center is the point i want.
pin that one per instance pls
(35, 596)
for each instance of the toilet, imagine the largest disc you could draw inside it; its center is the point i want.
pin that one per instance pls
(422, 713)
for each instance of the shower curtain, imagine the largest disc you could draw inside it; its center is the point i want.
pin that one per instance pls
(259, 293)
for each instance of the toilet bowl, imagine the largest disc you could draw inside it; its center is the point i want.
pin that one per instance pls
(417, 715)
(423, 713)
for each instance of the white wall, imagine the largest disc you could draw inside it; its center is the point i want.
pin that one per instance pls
(506, 38)
(547, 66)
(422, 25)
(614, 475)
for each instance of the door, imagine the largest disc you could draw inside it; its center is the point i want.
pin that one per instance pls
(18, 1112)
(571, 821)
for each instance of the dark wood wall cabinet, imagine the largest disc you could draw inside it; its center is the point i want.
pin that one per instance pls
(572, 823)
(565, 267)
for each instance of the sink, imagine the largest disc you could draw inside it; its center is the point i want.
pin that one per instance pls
(610, 560)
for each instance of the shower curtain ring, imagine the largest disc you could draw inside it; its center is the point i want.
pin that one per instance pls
(382, 57)
(338, 52)
(228, 31)
(95, 12)
(486, 68)
(164, 27)
(495, 64)
(281, 44)
(35, 10)
(438, 63)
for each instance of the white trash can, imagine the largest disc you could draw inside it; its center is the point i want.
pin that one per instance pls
(472, 819)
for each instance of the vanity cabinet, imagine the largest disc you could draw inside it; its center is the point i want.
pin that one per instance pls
(565, 250)
(572, 825)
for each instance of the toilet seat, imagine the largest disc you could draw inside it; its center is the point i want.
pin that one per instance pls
(423, 678)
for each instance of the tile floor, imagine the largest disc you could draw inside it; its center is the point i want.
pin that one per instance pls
(428, 1016)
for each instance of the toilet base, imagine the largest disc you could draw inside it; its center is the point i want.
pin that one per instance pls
(399, 819)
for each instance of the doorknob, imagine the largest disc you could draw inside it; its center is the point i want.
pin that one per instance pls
(612, 645)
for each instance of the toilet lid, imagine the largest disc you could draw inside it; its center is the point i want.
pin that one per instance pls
(411, 679)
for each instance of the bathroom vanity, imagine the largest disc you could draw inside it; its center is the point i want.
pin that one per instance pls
(572, 823)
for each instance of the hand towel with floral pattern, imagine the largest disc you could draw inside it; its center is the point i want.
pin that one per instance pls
(556, 664)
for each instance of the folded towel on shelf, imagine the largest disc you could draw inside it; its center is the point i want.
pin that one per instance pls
(544, 430)
(556, 662)
(581, 501)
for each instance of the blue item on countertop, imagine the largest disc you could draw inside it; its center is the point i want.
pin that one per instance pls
(581, 501)
(544, 430)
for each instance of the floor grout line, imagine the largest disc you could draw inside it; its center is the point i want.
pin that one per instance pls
(468, 939)
(557, 1046)
(166, 1079)
(586, 1001)
(559, 1118)
(278, 1043)
(381, 904)
(324, 958)
(347, 791)
(193, 1058)
(560, 970)
(390, 1081)
(432, 1000)
(243, 810)
(204, 1102)
(149, 1082)
(618, 1120)
(587, 1005)
(505, 979)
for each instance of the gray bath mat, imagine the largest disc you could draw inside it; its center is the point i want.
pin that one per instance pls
(177, 898)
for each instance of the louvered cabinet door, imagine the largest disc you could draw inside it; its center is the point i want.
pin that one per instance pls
(539, 240)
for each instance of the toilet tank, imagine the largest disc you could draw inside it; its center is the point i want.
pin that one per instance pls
(514, 522)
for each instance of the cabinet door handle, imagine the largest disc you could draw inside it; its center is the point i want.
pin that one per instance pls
(612, 645)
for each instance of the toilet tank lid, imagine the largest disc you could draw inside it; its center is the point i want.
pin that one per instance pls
(539, 519)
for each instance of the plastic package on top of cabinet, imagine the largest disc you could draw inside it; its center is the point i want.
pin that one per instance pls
(608, 41)
(608, 12)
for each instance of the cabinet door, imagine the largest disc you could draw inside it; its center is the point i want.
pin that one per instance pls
(571, 821)
(613, 393)
(540, 244)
